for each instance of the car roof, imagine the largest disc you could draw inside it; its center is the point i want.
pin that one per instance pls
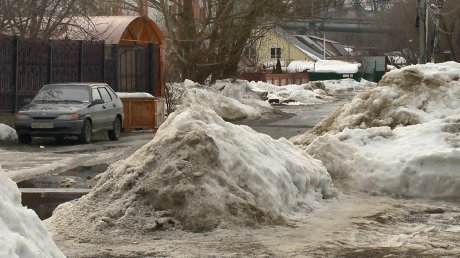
(88, 84)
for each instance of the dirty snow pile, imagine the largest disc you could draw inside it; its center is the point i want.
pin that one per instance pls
(401, 138)
(199, 173)
(323, 66)
(344, 85)
(304, 94)
(22, 234)
(7, 133)
(239, 106)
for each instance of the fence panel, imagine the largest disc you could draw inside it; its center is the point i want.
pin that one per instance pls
(93, 61)
(6, 74)
(32, 68)
(26, 65)
(65, 61)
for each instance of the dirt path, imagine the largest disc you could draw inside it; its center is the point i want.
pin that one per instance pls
(355, 225)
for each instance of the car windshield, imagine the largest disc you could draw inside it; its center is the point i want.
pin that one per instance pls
(63, 93)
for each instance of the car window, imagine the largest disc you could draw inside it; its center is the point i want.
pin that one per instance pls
(112, 93)
(105, 94)
(96, 95)
(63, 93)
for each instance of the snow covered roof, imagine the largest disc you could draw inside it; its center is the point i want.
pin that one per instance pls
(302, 47)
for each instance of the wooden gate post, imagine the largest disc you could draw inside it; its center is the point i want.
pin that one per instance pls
(116, 67)
(151, 69)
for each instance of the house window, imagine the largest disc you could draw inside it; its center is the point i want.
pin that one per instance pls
(275, 52)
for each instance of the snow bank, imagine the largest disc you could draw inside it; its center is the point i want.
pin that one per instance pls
(134, 95)
(235, 103)
(345, 85)
(401, 138)
(323, 66)
(304, 94)
(199, 173)
(22, 234)
(409, 96)
(7, 133)
(415, 161)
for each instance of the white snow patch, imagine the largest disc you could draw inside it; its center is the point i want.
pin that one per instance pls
(22, 234)
(346, 85)
(134, 95)
(413, 161)
(304, 94)
(408, 96)
(400, 138)
(7, 133)
(199, 173)
(232, 102)
(322, 66)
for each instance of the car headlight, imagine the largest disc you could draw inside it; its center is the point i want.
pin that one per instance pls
(22, 117)
(68, 117)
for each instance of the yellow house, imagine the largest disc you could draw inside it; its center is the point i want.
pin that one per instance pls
(278, 43)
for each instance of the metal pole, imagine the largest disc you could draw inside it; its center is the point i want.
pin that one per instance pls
(437, 23)
(422, 30)
(324, 46)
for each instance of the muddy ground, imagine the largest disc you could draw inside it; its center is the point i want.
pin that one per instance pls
(356, 224)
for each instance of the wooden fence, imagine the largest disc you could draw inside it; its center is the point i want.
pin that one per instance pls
(278, 79)
(26, 65)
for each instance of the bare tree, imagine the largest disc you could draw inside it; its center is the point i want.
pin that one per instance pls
(41, 18)
(208, 37)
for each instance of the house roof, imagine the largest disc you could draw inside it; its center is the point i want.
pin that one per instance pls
(316, 45)
(301, 46)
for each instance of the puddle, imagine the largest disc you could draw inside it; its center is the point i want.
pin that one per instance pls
(79, 177)
(44, 194)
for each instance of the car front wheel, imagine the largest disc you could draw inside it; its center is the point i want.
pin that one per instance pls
(114, 134)
(86, 132)
(24, 139)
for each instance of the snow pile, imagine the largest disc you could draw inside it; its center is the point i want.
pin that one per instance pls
(345, 85)
(401, 138)
(237, 106)
(7, 133)
(323, 66)
(408, 96)
(415, 161)
(22, 234)
(199, 173)
(134, 95)
(304, 94)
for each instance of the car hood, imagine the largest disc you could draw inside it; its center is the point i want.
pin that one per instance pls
(53, 107)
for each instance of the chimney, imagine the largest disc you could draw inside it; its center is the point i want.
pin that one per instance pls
(144, 10)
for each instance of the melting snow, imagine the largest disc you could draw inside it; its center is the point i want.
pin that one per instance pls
(401, 138)
(7, 133)
(22, 234)
(199, 173)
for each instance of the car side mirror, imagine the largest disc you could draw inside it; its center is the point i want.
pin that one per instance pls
(97, 102)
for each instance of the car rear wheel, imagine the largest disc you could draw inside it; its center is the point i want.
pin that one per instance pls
(86, 132)
(24, 139)
(114, 134)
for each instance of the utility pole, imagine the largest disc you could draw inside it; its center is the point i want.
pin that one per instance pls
(324, 46)
(421, 8)
(439, 5)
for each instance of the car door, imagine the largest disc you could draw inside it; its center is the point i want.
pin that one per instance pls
(108, 111)
(97, 112)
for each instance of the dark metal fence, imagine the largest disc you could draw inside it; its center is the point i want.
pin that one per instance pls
(26, 65)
